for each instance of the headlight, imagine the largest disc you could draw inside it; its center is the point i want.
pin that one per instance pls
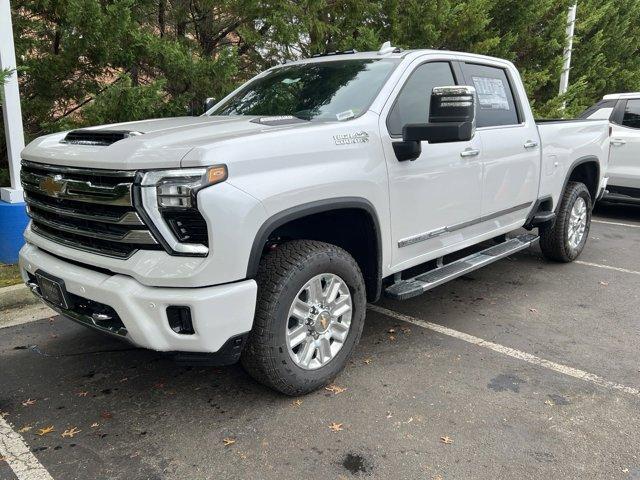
(169, 198)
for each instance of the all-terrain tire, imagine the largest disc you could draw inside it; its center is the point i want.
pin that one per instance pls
(554, 236)
(281, 274)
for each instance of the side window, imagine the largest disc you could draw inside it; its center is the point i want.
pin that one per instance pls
(496, 104)
(412, 104)
(632, 114)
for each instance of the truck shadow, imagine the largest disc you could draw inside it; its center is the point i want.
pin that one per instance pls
(618, 212)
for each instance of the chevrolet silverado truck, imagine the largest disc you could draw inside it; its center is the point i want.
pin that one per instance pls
(623, 112)
(260, 230)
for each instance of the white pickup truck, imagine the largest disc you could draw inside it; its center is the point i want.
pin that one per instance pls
(623, 112)
(260, 230)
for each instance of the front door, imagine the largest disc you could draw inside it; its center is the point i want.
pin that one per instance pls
(434, 196)
(624, 160)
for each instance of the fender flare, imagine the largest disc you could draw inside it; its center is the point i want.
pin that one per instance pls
(576, 163)
(304, 210)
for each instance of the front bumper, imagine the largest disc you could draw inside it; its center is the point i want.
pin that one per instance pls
(219, 313)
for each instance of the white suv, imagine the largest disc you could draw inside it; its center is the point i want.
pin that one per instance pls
(623, 111)
(260, 230)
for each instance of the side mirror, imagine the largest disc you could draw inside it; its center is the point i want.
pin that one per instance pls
(208, 103)
(452, 118)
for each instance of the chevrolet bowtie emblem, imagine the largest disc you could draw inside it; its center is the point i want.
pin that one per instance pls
(53, 186)
(324, 321)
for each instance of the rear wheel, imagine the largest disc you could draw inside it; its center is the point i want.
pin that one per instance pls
(564, 239)
(309, 316)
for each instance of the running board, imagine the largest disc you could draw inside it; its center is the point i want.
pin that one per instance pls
(412, 287)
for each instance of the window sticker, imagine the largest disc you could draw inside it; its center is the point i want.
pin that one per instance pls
(492, 93)
(342, 116)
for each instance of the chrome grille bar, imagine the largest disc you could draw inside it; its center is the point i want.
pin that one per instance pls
(128, 218)
(141, 237)
(78, 190)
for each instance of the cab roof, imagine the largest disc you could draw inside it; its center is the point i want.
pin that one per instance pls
(621, 96)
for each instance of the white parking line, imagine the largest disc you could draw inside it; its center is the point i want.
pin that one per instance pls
(616, 223)
(607, 267)
(511, 352)
(18, 456)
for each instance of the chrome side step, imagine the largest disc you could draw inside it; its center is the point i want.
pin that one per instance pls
(412, 287)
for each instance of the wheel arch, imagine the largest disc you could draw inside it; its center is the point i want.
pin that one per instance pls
(586, 170)
(366, 248)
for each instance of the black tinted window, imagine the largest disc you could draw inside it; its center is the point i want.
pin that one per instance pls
(412, 105)
(632, 114)
(598, 106)
(496, 105)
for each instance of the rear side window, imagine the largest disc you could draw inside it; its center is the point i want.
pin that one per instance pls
(632, 114)
(412, 104)
(496, 103)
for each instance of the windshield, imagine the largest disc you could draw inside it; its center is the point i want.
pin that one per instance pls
(334, 90)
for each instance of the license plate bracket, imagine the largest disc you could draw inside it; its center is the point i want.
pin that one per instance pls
(53, 290)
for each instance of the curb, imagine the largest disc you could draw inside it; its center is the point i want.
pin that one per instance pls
(16, 295)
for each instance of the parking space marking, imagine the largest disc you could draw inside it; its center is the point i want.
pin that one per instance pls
(18, 456)
(607, 267)
(620, 224)
(511, 352)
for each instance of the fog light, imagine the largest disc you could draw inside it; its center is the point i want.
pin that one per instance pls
(180, 320)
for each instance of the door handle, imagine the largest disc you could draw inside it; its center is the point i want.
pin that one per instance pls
(618, 141)
(469, 152)
(530, 144)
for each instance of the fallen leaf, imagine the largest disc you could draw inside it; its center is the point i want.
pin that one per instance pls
(335, 389)
(28, 402)
(82, 394)
(533, 310)
(24, 429)
(335, 427)
(392, 338)
(446, 440)
(389, 415)
(406, 330)
(95, 425)
(391, 330)
(297, 403)
(122, 380)
(228, 441)
(367, 361)
(604, 284)
(106, 414)
(71, 432)
(45, 431)
(549, 402)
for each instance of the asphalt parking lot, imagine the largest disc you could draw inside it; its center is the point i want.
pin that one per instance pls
(543, 385)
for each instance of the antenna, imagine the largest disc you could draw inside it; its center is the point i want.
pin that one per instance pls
(386, 48)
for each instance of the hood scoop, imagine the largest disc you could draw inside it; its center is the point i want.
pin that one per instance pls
(102, 138)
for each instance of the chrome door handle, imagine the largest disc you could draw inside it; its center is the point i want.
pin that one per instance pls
(618, 141)
(530, 144)
(469, 152)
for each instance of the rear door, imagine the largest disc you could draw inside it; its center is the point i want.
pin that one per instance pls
(510, 146)
(624, 159)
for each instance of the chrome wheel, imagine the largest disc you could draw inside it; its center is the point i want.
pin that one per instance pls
(319, 321)
(577, 223)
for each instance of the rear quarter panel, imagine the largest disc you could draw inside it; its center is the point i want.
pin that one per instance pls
(566, 143)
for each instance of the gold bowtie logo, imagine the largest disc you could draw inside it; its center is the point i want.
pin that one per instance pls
(53, 186)
(324, 321)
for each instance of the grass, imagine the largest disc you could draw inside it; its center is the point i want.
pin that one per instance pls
(9, 275)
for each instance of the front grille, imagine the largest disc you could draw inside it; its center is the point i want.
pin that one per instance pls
(87, 209)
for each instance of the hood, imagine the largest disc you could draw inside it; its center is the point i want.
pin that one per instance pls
(159, 143)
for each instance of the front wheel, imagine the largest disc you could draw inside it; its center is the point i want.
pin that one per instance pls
(564, 239)
(309, 316)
